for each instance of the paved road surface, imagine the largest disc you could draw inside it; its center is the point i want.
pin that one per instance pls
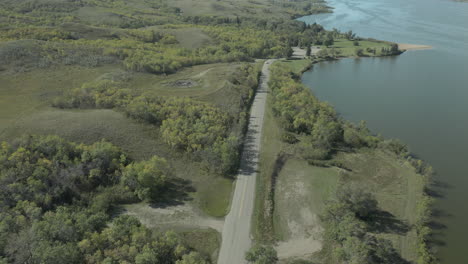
(236, 230)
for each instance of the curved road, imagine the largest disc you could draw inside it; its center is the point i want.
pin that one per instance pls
(236, 230)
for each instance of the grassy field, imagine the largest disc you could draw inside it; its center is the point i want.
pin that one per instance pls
(25, 93)
(25, 109)
(191, 38)
(347, 48)
(297, 66)
(205, 241)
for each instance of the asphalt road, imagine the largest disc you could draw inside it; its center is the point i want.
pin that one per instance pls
(236, 238)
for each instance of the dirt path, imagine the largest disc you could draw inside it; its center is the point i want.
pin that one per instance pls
(179, 216)
(236, 230)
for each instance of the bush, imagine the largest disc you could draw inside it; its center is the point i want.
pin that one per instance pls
(395, 146)
(261, 255)
(359, 52)
(147, 179)
(289, 138)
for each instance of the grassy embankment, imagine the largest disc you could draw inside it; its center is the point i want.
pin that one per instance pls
(292, 194)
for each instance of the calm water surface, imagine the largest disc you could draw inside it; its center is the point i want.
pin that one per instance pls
(420, 97)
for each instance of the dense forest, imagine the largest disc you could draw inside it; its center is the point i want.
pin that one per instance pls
(57, 199)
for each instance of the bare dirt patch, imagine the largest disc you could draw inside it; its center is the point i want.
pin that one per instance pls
(301, 191)
(298, 53)
(183, 216)
(184, 83)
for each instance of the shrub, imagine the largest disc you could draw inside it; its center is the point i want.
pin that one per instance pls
(289, 137)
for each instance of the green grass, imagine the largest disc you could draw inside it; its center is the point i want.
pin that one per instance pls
(23, 94)
(215, 197)
(205, 241)
(347, 48)
(191, 38)
(207, 79)
(297, 66)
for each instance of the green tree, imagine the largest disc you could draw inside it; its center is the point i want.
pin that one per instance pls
(350, 35)
(394, 48)
(329, 40)
(192, 258)
(360, 202)
(147, 178)
(359, 52)
(262, 255)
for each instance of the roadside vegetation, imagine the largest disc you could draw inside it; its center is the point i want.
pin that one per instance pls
(322, 171)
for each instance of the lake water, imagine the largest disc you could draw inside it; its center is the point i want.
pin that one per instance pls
(420, 97)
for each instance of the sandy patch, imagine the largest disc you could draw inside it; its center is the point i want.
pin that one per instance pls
(404, 46)
(178, 216)
(298, 248)
(298, 53)
(299, 223)
(304, 236)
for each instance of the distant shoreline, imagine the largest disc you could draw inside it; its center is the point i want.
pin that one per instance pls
(405, 46)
